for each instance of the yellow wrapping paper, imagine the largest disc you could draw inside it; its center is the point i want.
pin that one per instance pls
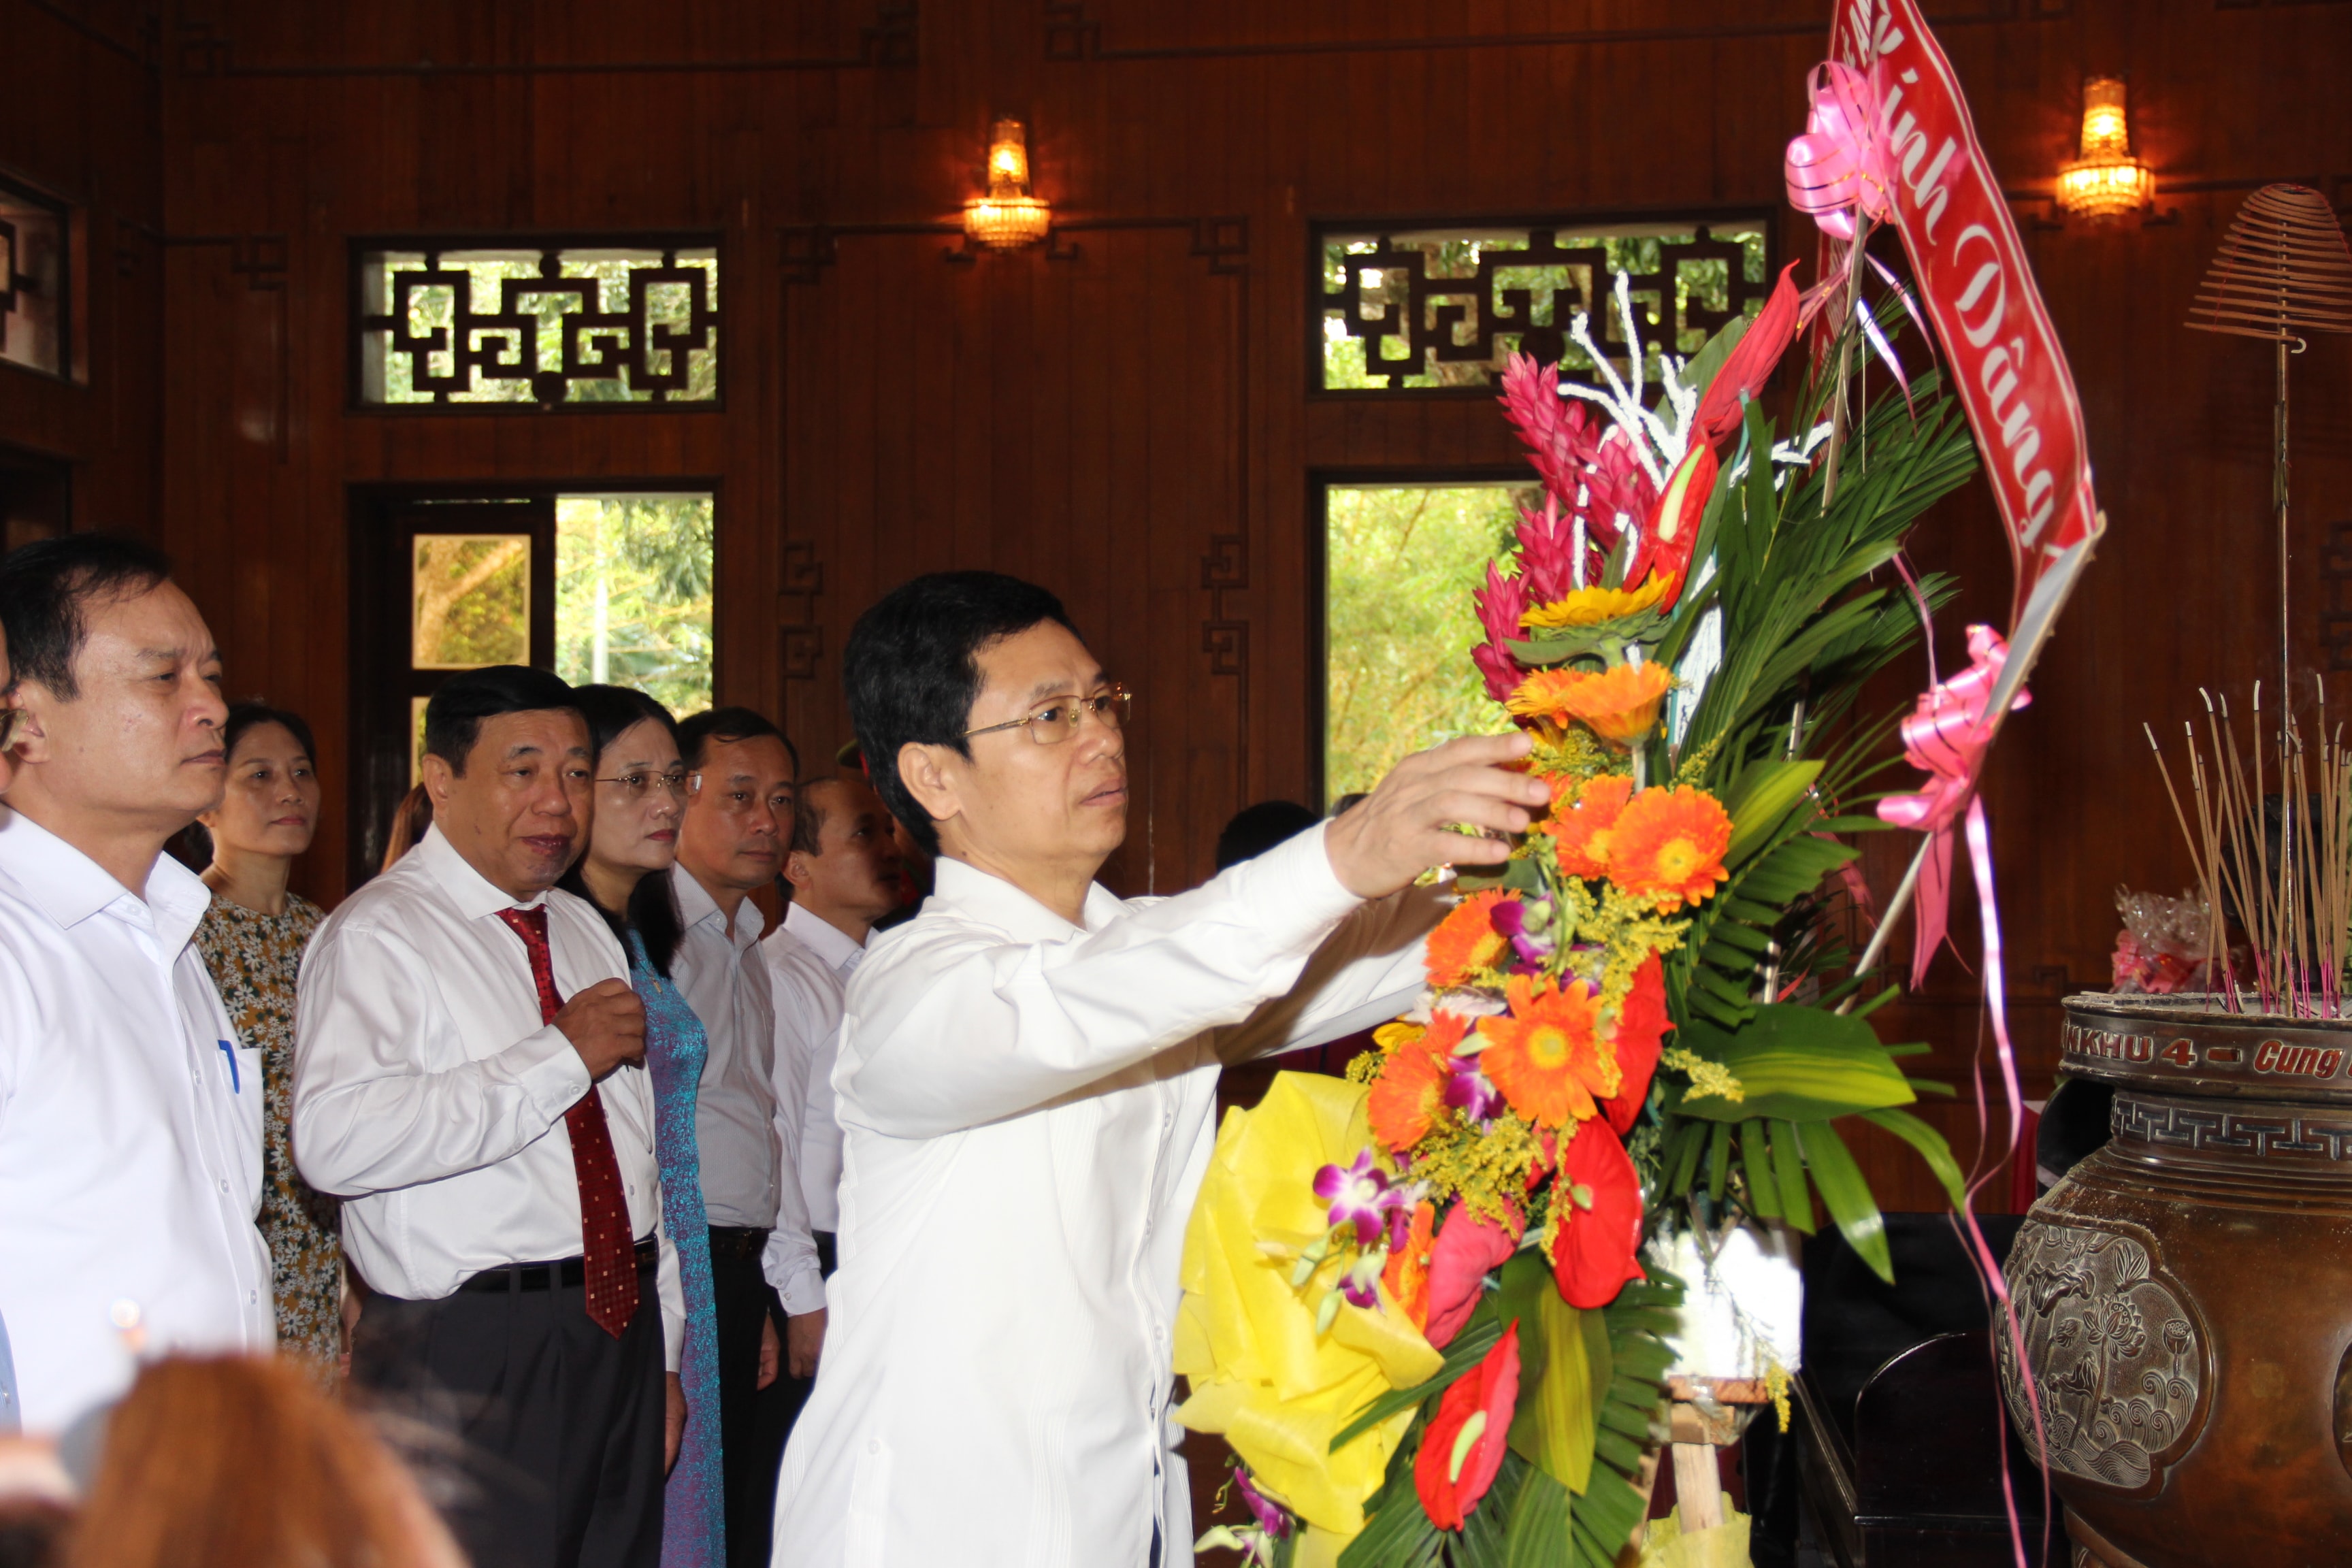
(1667, 1545)
(1245, 1339)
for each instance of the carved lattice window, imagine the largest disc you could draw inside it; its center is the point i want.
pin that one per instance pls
(558, 325)
(36, 325)
(1430, 309)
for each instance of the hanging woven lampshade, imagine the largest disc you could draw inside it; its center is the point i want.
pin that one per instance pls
(2282, 269)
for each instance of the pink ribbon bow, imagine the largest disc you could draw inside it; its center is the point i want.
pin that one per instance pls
(1840, 162)
(1946, 738)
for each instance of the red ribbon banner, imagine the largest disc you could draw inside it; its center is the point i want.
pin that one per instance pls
(1973, 279)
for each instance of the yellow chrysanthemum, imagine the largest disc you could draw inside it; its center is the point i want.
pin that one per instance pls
(1591, 607)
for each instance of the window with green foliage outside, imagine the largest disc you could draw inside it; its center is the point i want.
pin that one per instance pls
(1399, 562)
(633, 595)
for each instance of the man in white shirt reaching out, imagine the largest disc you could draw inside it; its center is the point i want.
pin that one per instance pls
(130, 1110)
(844, 875)
(1025, 1086)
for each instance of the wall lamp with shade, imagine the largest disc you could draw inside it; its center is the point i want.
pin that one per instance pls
(2105, 179)
(1008, 218)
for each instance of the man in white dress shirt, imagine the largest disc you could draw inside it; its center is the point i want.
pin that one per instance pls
(742, 780)
(468, 1076)
(129, 1112)
(1025, 1086)
(844, 872)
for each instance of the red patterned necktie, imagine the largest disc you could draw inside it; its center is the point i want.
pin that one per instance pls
(608, 1252)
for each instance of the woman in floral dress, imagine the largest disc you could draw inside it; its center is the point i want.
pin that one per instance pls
(632, 844)
(252, 939)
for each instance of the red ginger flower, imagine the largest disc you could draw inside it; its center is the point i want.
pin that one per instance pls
(1639, 1030)
(1463, 1448)
(1668, 846)
(1596, 1205)
(1502, 604)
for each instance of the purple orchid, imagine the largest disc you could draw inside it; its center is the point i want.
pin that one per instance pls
(1269, 1514)
(1360, 1284)
(1527, 927)
(1359, 1195)
(1470, 1091)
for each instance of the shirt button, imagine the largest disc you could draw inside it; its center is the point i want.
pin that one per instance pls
(874, 1445)
(224, 1186)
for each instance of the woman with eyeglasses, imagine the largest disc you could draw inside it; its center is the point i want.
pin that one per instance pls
(252, 939)
(640, 793)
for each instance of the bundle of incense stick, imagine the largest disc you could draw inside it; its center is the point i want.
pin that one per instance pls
(2292, 896)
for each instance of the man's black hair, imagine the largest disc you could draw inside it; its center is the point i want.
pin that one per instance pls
(1256, 829)
(47, 586)
(808, 818)
(652, 912)
(244, 717)
(726, 725)
(911, 670)
(453, 718)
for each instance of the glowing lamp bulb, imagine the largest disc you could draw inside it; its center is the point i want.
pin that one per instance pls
(2105, 179)
(1008, 218)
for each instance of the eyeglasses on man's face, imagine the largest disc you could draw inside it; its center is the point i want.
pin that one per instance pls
(1056, 719)
(639, 784)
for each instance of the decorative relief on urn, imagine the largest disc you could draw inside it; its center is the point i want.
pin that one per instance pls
(2122, 1365)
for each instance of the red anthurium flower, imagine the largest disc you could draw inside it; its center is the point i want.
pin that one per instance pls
(1466, 1247)
(1641, 1026)
(1464, 1445)
(1596, 1212)
(1749, 366)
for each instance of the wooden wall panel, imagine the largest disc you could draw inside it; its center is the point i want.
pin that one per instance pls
(80, 98)
(1133, 426)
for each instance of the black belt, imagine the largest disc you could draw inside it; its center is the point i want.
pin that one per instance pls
(737, 1242)
(570, 1274)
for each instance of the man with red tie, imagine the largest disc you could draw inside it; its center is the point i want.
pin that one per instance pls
(469, 1077)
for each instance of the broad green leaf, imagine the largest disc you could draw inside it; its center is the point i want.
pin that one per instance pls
(1847, 1195)
(1931, 1146)
(1761, 799)
(1718, 1160)
(1789, 1169)
(1539, 1524)
(1756, 1161)
(1554, 1427)
(1802, 1064)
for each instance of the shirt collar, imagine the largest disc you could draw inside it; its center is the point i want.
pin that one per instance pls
(821, 936)
(69, 887)
(694, 905)
(986, 897)
(474, 894)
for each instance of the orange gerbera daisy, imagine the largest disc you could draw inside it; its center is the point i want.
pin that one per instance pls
(1407, 1274)
(1619, 704)
(1465, 943)
(1409, 1096)
(1668, 846)
(1582, 825)
(1591, 607)
(1546, 1054)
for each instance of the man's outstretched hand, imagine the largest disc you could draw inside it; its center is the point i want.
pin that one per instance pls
(1404, 826)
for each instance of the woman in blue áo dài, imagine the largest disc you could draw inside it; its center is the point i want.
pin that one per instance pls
(640, 792)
